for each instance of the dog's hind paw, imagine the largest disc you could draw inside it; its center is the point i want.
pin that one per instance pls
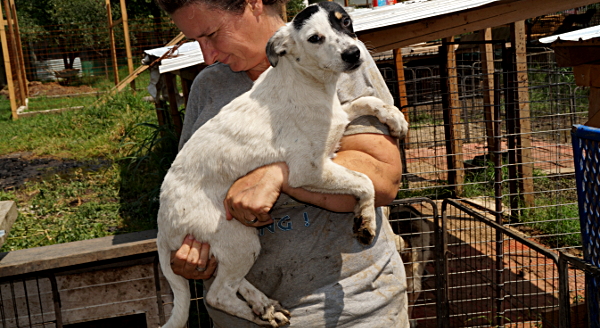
(274, 316)
(363, 232)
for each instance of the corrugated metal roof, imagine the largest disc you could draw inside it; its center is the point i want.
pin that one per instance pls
(409, 11)
(363, 20)
(579, 35)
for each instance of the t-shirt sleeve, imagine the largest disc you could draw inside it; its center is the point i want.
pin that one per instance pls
(366, 124)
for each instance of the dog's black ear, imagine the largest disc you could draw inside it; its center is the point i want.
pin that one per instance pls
(278, 45)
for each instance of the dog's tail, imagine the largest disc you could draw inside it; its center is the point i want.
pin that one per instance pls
(179, 285)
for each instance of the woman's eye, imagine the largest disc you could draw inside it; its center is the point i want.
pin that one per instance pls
(346, 22)
(315, 39)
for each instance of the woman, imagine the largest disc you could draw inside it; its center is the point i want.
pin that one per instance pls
(309, 261)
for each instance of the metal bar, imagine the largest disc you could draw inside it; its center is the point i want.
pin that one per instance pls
(56, 301)
(511, 108)
(27, 301)
(159, 302)
(37, 283)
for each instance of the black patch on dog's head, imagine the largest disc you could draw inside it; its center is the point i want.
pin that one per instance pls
(303, 16)
(338, 17)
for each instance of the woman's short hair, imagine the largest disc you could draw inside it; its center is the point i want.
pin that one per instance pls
(233, 6)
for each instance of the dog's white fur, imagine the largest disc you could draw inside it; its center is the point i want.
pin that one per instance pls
(301, 126)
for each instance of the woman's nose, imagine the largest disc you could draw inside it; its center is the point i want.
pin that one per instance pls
(208, 52)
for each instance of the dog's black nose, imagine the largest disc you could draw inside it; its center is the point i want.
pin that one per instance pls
(351, 55)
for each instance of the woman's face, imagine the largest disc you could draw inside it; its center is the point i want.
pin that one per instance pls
(236, 40)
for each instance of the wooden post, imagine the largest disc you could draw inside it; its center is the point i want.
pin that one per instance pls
(9, 77)
(487, 69)
(14, 55)
(127, 41)
(113, 50)
(451, 107)
(23, 72)
(402, 98)
(522, 119)
(173, 108)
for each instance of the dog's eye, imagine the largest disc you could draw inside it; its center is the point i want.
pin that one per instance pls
(346, 22)
(315, 39)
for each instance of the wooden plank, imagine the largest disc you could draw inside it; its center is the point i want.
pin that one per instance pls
(402, 98)
(113, 50)
(74, 253)
(432, 28)
(8, 215)
(173, 108)
(587, 75)
(594, 108)
(22, 71)
(7, 67)
(452, 108)
(574, 56)
(12, 43)
(127, 41)
(523, 115)
(487, 69)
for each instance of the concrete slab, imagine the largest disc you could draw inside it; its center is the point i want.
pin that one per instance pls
(8, 215)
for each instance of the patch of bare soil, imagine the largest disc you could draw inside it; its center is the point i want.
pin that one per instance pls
(18, 168)
(39, 89)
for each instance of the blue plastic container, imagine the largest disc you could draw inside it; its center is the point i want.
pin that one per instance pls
(586, 153)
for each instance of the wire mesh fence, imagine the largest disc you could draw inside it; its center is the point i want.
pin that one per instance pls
(497, 276)
(534, 179)
(70, 65)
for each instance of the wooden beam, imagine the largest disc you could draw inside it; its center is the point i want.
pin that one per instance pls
(14, 55)
(173, 108)
(113, 50)
(127, 41)
(22, 71)
(7, 67)
(401, 88)
(594, 110)
(574, 56)
(487, 69)
(523, 117)
(452, 107)
(495, 14)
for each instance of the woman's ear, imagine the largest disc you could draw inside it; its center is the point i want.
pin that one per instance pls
(256, 7)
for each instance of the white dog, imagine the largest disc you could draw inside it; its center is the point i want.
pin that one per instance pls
(269, 123)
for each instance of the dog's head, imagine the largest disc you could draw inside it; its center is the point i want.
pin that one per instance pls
(321, 36)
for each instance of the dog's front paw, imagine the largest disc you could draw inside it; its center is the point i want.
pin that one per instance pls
(364, 230)
(395, 121)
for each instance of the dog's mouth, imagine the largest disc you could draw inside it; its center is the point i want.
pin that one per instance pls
(353, 66)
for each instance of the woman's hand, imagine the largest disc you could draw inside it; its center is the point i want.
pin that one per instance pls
(192, 260)
(252, 196)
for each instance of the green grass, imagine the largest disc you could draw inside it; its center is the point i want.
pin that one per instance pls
(545, 218)
(120, 195)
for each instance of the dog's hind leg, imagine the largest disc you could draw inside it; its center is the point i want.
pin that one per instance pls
(336, 179)
(222, 295)
(387, 114)
(271, 310)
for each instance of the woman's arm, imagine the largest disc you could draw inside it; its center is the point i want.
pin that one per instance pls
(375, 155)
(253, 195)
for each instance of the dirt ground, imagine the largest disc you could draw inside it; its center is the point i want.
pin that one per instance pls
(39, 89)
(18, 168)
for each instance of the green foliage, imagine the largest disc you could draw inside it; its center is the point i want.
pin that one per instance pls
(121, 196)
(293, 7)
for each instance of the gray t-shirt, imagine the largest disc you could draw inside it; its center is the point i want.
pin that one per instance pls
(309, 260)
